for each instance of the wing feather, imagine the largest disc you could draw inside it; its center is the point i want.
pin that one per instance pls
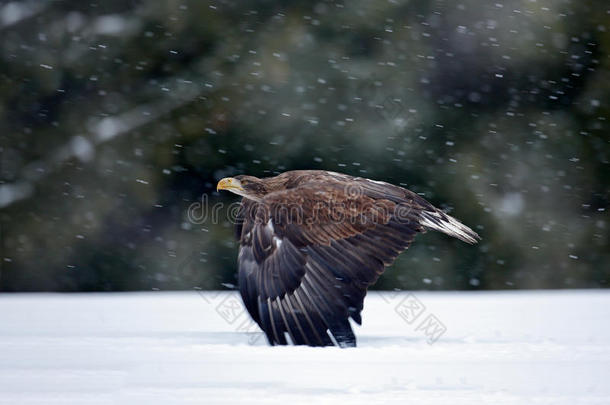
(297, 317)
(280, 322)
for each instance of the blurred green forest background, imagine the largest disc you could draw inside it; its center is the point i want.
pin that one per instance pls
(117, 116)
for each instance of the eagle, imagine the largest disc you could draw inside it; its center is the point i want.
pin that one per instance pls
(313, 241)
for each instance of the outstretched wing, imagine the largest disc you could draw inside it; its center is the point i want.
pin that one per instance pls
(308, 255)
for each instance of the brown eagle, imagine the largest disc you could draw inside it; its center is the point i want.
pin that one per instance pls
(312, 241)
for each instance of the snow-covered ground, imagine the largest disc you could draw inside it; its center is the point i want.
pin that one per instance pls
(428, 348)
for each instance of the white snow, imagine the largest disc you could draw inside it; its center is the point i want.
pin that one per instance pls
(188, 347)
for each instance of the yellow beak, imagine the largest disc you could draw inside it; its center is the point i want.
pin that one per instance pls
(229, 183)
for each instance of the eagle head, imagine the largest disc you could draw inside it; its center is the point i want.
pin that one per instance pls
(247, 186)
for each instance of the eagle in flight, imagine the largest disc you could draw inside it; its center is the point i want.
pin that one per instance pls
(313, 241)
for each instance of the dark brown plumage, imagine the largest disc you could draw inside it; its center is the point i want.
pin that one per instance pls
(312, 241)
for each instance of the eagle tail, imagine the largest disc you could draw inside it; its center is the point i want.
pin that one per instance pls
(442, 222)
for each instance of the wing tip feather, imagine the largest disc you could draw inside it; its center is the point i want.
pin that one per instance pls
(442, 222)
